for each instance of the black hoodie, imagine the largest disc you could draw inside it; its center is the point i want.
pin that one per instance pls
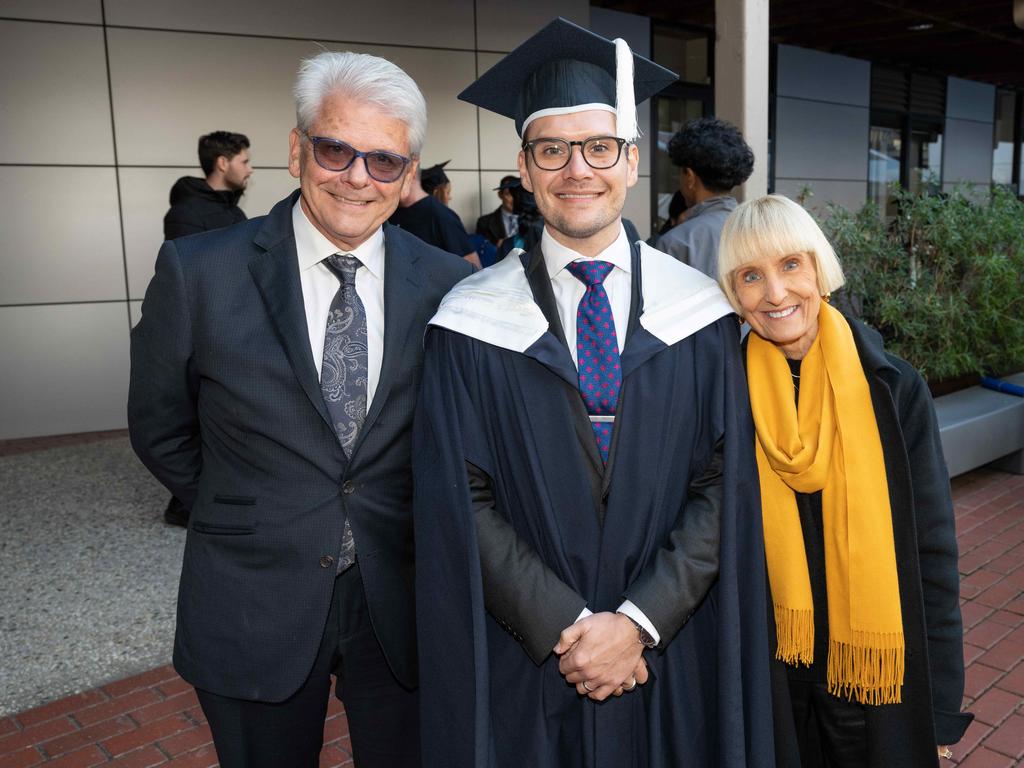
(195, 207)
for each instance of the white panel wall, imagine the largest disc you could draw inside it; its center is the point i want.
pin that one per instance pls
(822, 119)
(88, 153)
(447, 24)
(967, 143)
(499, 142)
(502, 25)
(62, 237)
(66, 368)
(61, 112)
(78, 11)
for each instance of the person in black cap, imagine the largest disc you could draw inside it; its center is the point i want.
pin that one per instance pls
(589, 580)
(502, 222)
(435, 182)
(432, 221)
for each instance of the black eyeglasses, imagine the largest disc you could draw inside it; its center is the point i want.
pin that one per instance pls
(334, 155)
(599, 152)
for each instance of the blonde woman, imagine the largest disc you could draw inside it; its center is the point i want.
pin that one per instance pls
(858, 520)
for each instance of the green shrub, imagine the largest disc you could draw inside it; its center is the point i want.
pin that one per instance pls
(943, 282)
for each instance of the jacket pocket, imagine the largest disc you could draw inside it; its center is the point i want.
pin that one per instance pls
(221, 529)
(238, 501)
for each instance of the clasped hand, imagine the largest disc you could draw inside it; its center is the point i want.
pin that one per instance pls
(601, 655)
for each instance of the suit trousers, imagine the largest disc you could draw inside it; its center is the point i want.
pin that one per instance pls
(383, 716)
(831, 731)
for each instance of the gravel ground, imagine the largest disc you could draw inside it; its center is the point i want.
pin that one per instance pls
(88, 571)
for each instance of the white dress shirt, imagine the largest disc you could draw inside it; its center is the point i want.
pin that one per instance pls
(320, 284)
(510, 221)
(568, 291)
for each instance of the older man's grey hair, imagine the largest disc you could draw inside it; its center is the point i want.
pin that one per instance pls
(363, 78)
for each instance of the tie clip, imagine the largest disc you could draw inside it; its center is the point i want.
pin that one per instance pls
(602, 419)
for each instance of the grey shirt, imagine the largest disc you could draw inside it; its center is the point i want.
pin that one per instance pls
(695, 241)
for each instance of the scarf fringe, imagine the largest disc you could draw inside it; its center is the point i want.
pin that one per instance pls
(869, 671)
(795, 630)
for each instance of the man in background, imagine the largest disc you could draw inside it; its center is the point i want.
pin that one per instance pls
(423, 214)
(502, 222)
(199, 205)
(712, 158)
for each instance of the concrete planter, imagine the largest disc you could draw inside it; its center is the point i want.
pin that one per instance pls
(979, 426)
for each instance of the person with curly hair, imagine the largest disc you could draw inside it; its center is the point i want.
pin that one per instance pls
(712, 158)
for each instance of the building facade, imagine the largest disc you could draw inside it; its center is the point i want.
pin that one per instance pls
(103, 101)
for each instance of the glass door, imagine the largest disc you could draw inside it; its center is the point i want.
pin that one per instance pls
(671, 113)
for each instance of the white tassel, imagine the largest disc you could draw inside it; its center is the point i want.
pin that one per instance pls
(625, 102)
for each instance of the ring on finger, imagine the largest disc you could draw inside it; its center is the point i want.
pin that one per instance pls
(589, 689)
(631, 686)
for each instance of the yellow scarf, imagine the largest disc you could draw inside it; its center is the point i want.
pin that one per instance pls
(828, 443)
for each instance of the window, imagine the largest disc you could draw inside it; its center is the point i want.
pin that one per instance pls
(672, 114)
(924, 164)
(905, 143)
(1007, 147)
(687, 51)
(1003, 140)
(885, 159)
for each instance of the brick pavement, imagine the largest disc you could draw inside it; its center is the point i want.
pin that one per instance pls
(990, 530)
(153, 719)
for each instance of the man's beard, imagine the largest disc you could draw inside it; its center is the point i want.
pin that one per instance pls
(577, 230)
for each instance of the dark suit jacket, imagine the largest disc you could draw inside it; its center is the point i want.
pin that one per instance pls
(491, 226)
(225, 409)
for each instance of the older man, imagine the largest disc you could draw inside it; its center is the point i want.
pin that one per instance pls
(594, 594)
(274, 374)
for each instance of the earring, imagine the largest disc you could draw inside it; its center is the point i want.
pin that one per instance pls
(827, 298)
(740, 320)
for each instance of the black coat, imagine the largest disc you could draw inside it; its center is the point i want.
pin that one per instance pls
(491, 226)
(225, 409)
(905, 735)
(195, 207)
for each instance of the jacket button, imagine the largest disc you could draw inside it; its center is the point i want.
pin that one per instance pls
(326, 561)
(348, 487)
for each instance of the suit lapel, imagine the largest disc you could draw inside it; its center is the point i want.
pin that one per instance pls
(276, 272)
(551, 349)
(540, 285)
(402, 282)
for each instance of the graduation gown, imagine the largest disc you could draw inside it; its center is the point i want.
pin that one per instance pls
(558, 530)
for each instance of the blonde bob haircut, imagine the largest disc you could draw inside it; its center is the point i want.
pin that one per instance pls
(773, 225)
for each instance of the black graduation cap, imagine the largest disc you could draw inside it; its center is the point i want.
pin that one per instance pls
(565, 68)
(508, 182)
(433, 177)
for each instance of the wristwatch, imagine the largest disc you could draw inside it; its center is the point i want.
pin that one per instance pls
(644, 637)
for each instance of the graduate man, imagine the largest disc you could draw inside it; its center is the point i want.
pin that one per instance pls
(590, 579)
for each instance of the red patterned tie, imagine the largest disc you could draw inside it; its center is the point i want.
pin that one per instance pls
(597, 350)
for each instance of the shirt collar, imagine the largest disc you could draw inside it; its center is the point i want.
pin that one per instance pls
(557, 256)
(726, 202)
(312, 247)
